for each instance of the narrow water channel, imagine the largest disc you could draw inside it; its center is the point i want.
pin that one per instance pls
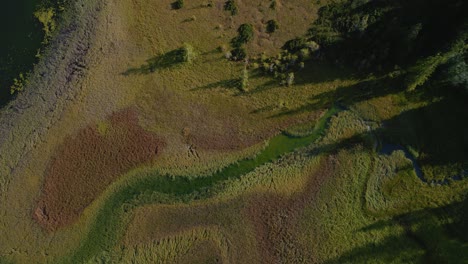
(104, 231)
(388, 149)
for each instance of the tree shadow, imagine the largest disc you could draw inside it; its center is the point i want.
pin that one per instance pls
(165, 61)
(269, 85)
(228, 84)
(428, 238)
(265, 109)
(434, 131)
(389, 40)
(320, 71)
(438, 131)
(348, 95)
(344, 144)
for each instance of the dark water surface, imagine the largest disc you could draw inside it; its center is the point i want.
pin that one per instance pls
(21, 36)
(388, 149)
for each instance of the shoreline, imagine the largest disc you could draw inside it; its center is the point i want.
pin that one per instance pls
(25, 120)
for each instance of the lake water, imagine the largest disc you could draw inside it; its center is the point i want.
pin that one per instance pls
(21, 37)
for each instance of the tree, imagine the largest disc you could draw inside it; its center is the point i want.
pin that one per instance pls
(457, 72)
(188, 53)
(238, 54)
(178, 4)
(244, 81)
(272, 26)
(294, 45)
(245, 32)
(231, 6)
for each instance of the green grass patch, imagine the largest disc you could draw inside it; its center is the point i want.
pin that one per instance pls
(166, 189)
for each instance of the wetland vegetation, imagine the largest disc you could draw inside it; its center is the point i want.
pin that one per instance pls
(234, 131)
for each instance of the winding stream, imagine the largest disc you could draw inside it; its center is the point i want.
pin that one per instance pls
(388, 149)
(106, 229)
(109, 223)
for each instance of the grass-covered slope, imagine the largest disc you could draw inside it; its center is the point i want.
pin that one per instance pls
(155, 131)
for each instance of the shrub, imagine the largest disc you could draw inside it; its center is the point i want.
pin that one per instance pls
(19, 83)
(245, 32)
(294, 45)
(236, 42)
(178, 4)
(457, 72)
(231, 6)
(245, 35)
(273, 4)
(47, 19)
(304, 54)
(188, 53)
(244, 81)
(238, 54)
(271, 26)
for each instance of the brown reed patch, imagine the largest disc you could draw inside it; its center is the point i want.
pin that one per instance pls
(261, 227)
(86, 163)
(276, 218)
(231, 133)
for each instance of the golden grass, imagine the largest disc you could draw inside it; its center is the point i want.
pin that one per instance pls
(206, 123)
(239, 218)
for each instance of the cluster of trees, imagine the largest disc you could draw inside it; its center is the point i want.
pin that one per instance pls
(456, 72)
(381, 34)
(419, 36)
(375, 36)
(284, 65)
(245, 35)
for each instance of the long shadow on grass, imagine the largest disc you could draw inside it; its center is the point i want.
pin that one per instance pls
(361, 91)
(108, 227)
(269, 85)
(168, 60)
(316, 72)
(428, 238)
(228, 84)
(434, 131)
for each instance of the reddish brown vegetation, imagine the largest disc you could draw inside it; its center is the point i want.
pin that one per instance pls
(276, 220)
(86, 163)
(232, 136)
